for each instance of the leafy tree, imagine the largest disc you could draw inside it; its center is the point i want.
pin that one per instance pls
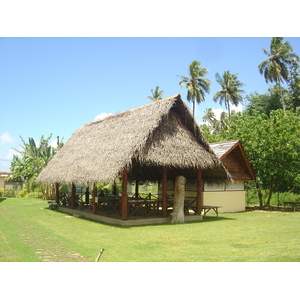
(272, 145)
(32, 159)
(262, 104)
(156, 94)
(294, 87)
(196, 84)
(276, 67)
(230, 92)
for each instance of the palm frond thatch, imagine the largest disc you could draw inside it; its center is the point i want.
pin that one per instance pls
(162, 133)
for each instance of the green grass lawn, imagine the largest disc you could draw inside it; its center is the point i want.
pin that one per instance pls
(30, 232)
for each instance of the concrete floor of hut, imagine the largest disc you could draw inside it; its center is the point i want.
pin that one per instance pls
(138, 218)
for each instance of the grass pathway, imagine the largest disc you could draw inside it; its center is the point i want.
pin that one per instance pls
(45, 247)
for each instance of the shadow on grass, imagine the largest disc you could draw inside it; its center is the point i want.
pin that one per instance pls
(207, 219)
(215, 218)
(2, 199)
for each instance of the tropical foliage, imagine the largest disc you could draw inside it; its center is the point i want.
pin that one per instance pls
(272, 144)
(32, 158)
(156, 94)
(276, 68)
(230, 92)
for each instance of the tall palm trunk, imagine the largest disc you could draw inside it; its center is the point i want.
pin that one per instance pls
(281, 97)
(194, 105)
(228, 104)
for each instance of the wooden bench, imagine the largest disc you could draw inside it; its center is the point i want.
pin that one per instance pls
(294, 204)
(207, 208)
(52, 205)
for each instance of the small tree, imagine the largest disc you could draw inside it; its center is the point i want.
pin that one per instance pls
(32, 159)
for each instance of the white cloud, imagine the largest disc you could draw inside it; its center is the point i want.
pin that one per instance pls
(236, 108)
(102, 116)
(54, 143)
(218, 111)
(5, 138)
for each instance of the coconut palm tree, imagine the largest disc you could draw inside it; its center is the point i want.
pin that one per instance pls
(276, 67)
(230, 92)
(156, 94)
(196, 84)
(209, 116)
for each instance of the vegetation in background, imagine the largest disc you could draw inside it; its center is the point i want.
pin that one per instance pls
(276, 68)
(156, 94)
(230, 92)
(31, 160)
(269, 128)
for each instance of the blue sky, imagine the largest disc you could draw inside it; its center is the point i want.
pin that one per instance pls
(56, 85)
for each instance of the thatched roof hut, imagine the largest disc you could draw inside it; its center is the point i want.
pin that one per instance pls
(145, 139)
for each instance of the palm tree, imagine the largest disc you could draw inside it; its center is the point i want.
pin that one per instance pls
(195, 84)
(156, 94)
(276, 67)
(230, 90)
(209, 116)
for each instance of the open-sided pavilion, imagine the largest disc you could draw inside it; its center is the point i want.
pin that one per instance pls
(156, 142)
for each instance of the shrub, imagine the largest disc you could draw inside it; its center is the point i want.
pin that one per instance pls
(34, 195)
(23, 192)
(1, 192)
(10, 193)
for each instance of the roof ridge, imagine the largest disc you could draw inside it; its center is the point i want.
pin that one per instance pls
(131, 110)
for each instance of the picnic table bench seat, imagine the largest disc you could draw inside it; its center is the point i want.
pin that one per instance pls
(52, 204)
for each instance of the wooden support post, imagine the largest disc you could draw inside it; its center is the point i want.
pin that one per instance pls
(87, 195)
(164, 192)
(94, 198)
(124, 195)
(199, 203)
(73, 195)
(137, 182)
(136, 194)
(114, 191)
(57, 192)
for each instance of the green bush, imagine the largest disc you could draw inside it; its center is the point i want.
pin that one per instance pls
(1, 192)
(23, 192)
(10, 193)
(34, 195)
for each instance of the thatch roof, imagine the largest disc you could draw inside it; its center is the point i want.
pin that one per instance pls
(144, 139)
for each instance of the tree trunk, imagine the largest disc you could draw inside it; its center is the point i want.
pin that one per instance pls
(259, 193)
(178, 204)
(228, 104)
(281, 98)
(194, 104)
(270, 191)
